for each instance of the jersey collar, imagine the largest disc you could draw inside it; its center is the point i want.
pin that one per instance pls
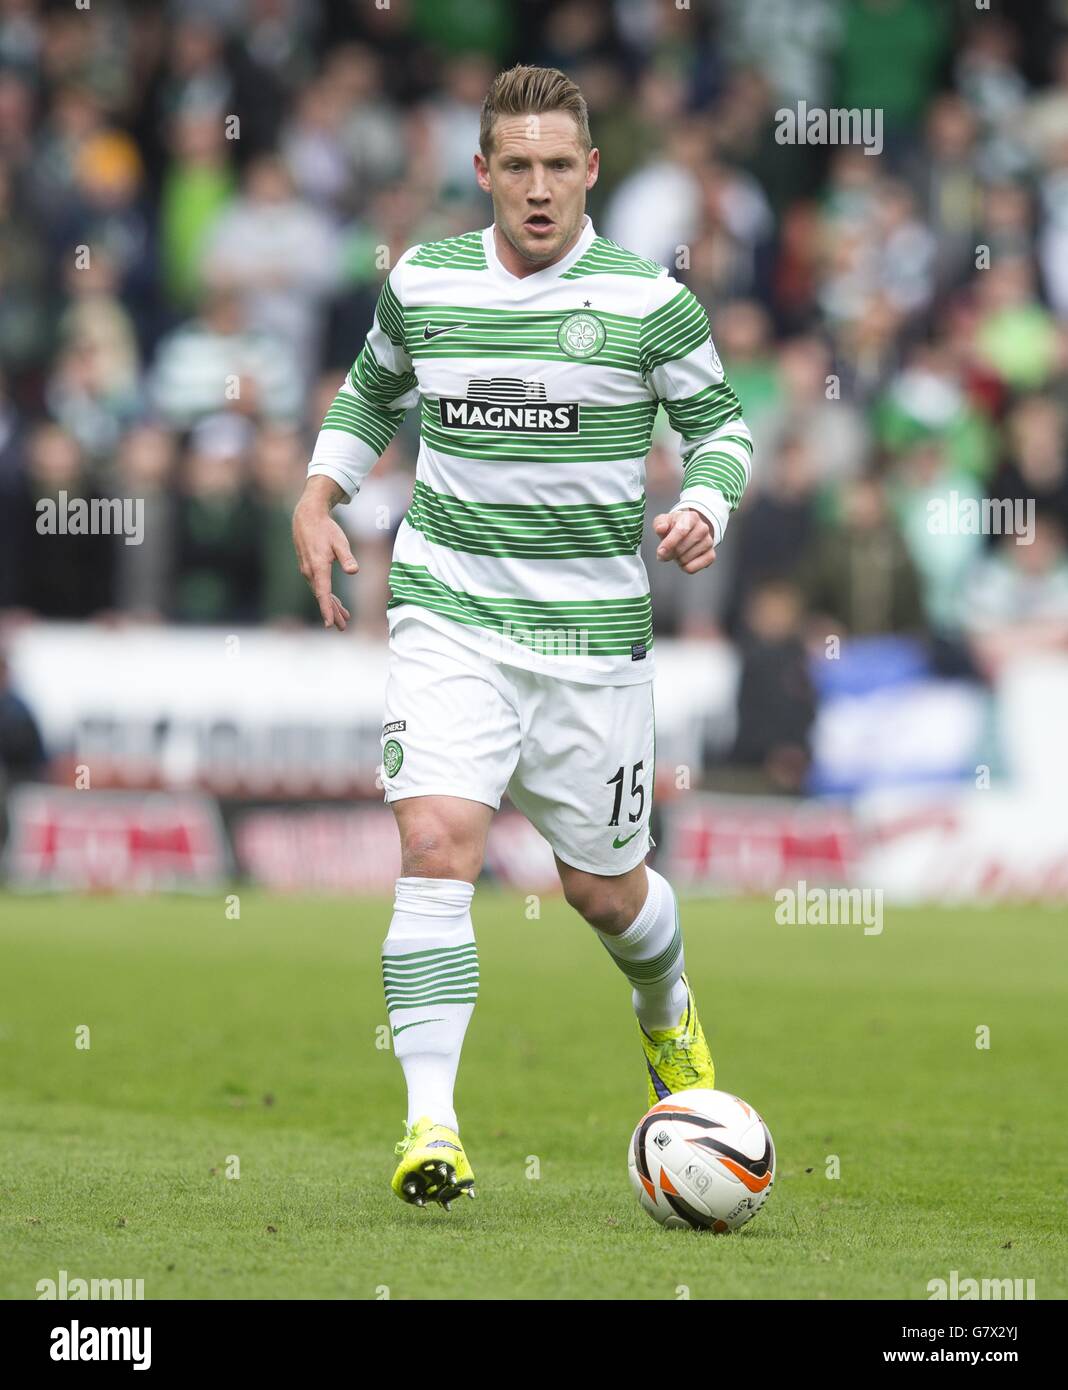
(540, 277)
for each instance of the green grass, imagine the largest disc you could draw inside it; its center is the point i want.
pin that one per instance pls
(256, 1038)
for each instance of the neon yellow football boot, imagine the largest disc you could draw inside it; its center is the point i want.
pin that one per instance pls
(678, 1058)
(433, 1166)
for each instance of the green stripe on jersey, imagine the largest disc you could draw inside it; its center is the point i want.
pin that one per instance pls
(605, 627)
(528, 531)
(673, 331)
(696, 416)
(464, 252)
(377, 383)
(372, 424)
(604, 257)
(716, 468)
(389, 314)
(511, 333)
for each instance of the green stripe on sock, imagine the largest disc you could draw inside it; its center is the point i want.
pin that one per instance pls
(468, 948)
(642, 973)
(428, 978)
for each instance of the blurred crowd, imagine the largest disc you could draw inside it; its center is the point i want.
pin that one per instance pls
(198, 203)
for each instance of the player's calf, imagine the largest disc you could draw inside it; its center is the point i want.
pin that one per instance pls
(430, 974)
(646, 944)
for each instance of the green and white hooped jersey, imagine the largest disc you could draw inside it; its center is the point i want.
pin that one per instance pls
(537, 398)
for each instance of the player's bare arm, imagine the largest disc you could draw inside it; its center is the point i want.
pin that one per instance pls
(319, 541)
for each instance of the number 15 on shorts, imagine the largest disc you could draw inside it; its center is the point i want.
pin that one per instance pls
(635, 801)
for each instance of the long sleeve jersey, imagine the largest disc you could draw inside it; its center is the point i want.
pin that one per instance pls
(537, 398)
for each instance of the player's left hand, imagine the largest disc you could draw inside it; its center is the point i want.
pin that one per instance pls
(685, 537)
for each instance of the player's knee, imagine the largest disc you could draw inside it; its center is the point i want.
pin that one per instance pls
(601, 901)
(433, 849)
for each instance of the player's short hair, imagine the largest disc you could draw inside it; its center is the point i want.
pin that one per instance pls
(527, 91)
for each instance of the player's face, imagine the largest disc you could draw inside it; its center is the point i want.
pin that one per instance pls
(537, 174)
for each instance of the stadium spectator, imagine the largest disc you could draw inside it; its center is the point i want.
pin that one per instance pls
(278, 470)
(145, 471)
(987, 75)
(22, 751)
(917, 33)
(857, 574)
(1016, 603)
(949, 188)
(808, 404)
(59, 571)
(449, 126)
(197, 185)
(1017, 335)
(313, 147)
(94, 389)
(773, 533)
(218, 545)
(280, 254)
(24, 271)
(656, 210)
(371, 120)
(921, 485)
(108, 213)
(776, 703)
(1034, 468)
(216, 358)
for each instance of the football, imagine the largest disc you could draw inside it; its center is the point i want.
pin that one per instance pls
(702, 1160)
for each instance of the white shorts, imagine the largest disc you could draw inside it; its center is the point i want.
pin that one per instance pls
(575, 758)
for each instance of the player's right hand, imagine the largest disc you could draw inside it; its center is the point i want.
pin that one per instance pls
(319, 541)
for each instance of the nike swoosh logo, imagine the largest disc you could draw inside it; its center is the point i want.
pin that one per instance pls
(416, 1024)
(429, 332)
(617, 843)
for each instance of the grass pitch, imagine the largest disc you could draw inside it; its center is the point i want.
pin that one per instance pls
(214, 1041)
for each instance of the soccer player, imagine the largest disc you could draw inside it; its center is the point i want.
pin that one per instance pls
(521, 647)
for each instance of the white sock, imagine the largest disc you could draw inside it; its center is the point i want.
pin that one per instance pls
(650, 954)
(430, 973)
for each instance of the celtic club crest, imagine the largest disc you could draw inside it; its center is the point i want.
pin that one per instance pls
(392, 757)
(581, 335)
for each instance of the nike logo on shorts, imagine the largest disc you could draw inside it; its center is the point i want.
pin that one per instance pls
(617, 843)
